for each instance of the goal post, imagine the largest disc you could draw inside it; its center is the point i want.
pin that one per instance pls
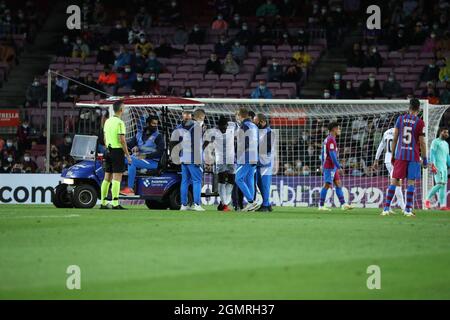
(301, 126)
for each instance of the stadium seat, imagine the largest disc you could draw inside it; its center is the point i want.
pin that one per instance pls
(219, 93)
(203, 92)
(235, 93)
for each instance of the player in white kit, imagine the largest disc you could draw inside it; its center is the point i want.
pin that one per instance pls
(385, 144)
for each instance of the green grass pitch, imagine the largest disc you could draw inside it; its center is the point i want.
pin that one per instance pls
(292, 253)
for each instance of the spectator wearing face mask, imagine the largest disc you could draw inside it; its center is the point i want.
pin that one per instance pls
(430, 72)
(357, 58)
(326, 94)
(392, 88)
(105, 55)
(219, 23)
(9, 149)
(275, 72)
(263, 36)
(431, 93)
(141, 86)
(349, 92)
(302, 57)
(418, 35)
(143, 19)
(144, 46)
(267, 9)
(138, 62)
(336, 86)
(171, 14)
(165, 50)
(245, 36)
(196, 36)
(222, 47)
(261, 92)
(444, 72)
(284, 39)
(118, 34)
(65, 147)
(180, 37)
(213, 65)
(108, 79)
(123, 59)
(28, 165)
(230, 66)
(153, 64)
(65, 47)
(128, 78)
(135, 34)
(292, 73)
(238, 51)
(154, 87)
(370, 88)
(398, 41)
(236, 22)
(35, 94)
(430, 44)
(61, 87)
(80, 49)
(91, 86)
(188, 93)
(374, 58)
(278, 26)
(6, 166)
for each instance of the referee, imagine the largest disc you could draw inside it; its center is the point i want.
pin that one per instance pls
(114, 160)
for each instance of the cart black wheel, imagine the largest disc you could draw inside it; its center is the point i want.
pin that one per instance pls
(156, 205)
(175, 199)
(62, 198)
(84, 196)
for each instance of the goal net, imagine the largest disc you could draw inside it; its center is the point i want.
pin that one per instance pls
(302, 127)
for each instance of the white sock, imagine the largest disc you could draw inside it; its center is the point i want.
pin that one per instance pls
(222, 192)
(400, 198)
(228, 192)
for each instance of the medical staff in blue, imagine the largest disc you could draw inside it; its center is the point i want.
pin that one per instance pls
(247, 157)
(192, 161)
(147, 152)
(266, 159)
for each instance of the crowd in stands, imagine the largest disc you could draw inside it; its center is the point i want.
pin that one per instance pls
(409, 56)
(164, 47)
(19, 24)
(23, 153)
(130, 58)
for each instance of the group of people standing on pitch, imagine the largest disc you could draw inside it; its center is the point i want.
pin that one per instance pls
(240, 165)
(238, 160)
(406, 154)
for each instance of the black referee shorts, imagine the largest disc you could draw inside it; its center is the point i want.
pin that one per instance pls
(114, 160)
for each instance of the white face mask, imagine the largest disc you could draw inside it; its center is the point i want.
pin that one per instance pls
(9, 144)
(26, 159)
(326, 95)
(201, 123)
(139, 79)
(10, 159)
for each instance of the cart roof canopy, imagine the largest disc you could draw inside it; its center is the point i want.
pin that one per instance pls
(142, 101)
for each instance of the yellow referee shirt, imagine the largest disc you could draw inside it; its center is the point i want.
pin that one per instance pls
(112, 129)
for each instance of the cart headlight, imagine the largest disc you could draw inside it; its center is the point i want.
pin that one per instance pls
(67, 181)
